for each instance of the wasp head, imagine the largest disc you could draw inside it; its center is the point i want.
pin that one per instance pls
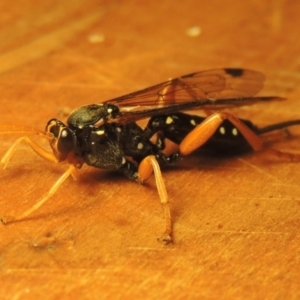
(62, 141)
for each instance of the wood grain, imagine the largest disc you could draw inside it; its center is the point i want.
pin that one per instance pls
(236, 221)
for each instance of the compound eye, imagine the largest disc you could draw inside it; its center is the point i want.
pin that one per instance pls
(65, 141)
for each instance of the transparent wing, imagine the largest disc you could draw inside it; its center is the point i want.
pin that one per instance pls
(210, 89)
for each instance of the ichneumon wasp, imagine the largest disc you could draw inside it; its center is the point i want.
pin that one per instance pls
(107, 136)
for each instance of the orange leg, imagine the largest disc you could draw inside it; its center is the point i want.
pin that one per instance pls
(72, 170)
(34, 146)
(204, 131)
(148, 166)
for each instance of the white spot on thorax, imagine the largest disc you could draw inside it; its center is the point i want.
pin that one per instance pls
(100, 132)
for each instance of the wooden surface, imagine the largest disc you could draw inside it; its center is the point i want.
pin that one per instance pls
(236, 221)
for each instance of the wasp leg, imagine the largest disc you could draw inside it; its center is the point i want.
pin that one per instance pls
(204, 131)
(72, 170)
(35, 147)
(148, 166)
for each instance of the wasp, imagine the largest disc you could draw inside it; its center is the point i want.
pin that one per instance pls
(107, 135)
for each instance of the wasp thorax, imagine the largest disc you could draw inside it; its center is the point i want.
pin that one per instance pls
(91, 115)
